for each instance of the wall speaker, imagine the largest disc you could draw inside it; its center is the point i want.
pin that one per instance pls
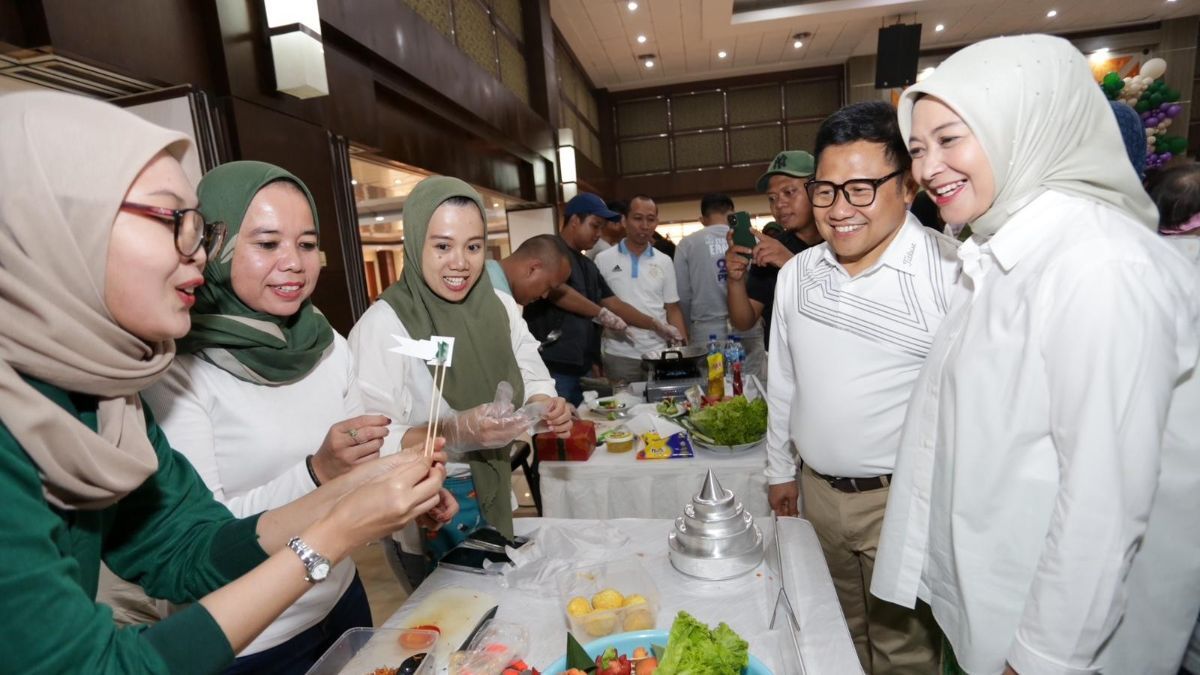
(896, 55)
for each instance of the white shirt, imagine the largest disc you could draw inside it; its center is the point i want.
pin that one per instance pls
(248, 442)
(601, 245)
(845, 352)
(648, 283)
(401, 386)
(1049, 435)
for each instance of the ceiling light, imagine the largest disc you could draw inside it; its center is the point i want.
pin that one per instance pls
(799, 38)
(354, 181)
(1051, 14)
(649, 63)
(632, 6)
(722, 54)
(495, 205)
(379, 219)
(397, 182)
(641, 39)
(939, 28)
(797, 44)
(1099, 56)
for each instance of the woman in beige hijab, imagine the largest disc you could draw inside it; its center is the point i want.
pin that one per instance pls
(101, 250)
(1049, 473)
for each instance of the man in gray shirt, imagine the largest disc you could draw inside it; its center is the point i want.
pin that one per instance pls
(700, 277)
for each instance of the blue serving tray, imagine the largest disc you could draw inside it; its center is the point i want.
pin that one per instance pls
(627, 642)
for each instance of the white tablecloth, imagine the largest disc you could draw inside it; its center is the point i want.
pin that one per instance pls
(745, 603)
(618, 485)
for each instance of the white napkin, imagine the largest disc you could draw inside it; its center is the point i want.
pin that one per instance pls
(554, 549)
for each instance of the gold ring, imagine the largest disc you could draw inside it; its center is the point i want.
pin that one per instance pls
(353, 435)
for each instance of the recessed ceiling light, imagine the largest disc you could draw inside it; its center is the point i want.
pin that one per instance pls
(379, 219)
(632, 6)
(797, 44)
(353, 181)
(641, 39)
(939, 28)
(722, 54)
(799, 38)
(495, 205)
(1051, 14)
(397, 181)
(649, 63)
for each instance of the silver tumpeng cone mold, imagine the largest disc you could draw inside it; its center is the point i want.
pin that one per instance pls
(715, 538)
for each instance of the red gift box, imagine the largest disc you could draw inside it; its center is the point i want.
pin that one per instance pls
(577, 447)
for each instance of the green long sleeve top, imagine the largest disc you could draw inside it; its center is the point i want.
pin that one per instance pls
(169, 536)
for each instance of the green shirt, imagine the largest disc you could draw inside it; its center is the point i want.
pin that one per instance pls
(169, 536)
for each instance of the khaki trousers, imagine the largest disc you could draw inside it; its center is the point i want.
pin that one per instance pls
(888, 638)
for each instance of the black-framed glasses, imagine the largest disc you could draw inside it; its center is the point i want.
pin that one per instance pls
(191, 231)
(858, 191)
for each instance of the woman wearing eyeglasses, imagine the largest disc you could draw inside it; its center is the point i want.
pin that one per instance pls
(93, 294)
(261, 399)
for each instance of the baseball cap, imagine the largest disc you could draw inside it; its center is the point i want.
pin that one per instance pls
(586, 204)
(794, 163)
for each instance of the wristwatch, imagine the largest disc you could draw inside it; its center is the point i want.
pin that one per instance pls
(316, 564)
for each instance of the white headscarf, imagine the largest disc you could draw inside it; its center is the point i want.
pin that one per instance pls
(1043, 122)
(66, 165)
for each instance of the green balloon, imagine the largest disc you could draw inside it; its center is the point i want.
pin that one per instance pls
(1142, 105)
(1156, 100)
(1178, 145)
(1112, 78)
(1170, 96)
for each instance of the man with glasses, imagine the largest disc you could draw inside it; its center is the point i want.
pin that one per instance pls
(854, 318)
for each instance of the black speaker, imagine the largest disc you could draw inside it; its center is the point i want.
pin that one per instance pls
(896, 56)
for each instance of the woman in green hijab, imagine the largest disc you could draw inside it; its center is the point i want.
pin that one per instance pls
(442, 291)
(261, 399)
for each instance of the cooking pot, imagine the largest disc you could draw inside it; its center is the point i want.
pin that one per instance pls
(676, 362)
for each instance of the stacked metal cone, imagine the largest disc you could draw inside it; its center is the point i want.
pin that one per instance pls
(715, 538)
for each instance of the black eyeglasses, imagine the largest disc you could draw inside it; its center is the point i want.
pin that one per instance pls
(191, 232)
(859, 191)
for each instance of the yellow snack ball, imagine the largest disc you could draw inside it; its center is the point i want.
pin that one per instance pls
(607, 599)
(639, 619)
(600, 624)
(635, 599)
(578, 606)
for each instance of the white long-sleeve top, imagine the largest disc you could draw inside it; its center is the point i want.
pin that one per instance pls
(1045, 495)
(401, 386)
(845, 352)
(249, 442)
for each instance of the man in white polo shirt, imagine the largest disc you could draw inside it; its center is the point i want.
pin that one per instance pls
(854, 318)
(644, 278)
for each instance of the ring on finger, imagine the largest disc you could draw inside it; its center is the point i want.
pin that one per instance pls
(353, 435)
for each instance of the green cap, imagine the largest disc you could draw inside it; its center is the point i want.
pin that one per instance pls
(794, 163)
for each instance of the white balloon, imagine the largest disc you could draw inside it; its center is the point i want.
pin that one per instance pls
(1166, 123)
(1154, 68)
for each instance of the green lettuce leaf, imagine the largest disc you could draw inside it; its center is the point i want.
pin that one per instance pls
(692, 649)
(733, 422)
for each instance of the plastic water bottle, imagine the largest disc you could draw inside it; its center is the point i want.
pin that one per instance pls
(739, 362)
(730, 353)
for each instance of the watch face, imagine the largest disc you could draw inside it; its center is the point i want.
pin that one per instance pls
(320, 571)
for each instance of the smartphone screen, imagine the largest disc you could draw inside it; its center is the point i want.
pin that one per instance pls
(739, 222)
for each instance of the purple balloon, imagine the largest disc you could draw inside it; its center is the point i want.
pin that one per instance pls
(1166, 157)
(1174, 110)
(1151, 122)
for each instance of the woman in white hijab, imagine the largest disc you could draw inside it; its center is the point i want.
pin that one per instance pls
(1049, 474)
(101, 250)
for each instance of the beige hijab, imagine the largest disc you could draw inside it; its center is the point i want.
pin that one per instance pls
(1043, 122)
(66, 165)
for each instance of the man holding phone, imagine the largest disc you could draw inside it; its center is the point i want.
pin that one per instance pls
(700, 277)
(752, 270)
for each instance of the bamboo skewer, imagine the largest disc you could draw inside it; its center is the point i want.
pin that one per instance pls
(435, 399)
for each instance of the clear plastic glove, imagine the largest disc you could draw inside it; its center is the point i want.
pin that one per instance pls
(610, 320)
(491, 425)
(667, 332)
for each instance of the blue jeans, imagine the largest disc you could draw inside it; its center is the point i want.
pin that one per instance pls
(569, 387)
(298, 654)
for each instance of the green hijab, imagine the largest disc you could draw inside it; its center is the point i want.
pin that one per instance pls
(480, 360)
(250, 345)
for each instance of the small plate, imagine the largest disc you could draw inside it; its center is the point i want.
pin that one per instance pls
(608, 404)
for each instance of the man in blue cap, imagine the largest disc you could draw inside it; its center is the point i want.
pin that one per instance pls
(583, 305)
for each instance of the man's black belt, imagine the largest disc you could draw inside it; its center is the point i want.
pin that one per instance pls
(855, 484)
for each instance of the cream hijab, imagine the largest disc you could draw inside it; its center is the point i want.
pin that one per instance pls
(66, 165)
(1044, 124)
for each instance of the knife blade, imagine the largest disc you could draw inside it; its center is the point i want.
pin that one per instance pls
(487, 616)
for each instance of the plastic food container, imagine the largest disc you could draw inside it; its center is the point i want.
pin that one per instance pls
(363, 651)
(619, 441)
(627, 599)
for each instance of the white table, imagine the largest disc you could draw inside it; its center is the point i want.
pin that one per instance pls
(618, 485)
(745, 603)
